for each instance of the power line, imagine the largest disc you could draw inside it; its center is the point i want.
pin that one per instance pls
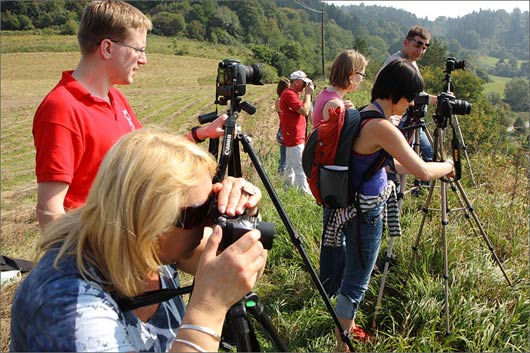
(307, 7)
(321, 12)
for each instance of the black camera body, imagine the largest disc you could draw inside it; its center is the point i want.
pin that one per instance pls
(448, 105)
(235, 227)
(453, 64)
(232, 78)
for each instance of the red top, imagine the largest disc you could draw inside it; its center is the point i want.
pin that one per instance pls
(72, 132)
(292, 123)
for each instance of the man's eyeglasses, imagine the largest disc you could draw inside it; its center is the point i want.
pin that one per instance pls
(194, 216)
(420, 44)
(362, 74)
(138, 50)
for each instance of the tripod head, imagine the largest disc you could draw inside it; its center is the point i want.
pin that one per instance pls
(230, 85)
(448, 107)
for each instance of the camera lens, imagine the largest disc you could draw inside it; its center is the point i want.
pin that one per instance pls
(461, 107)
(253, 74)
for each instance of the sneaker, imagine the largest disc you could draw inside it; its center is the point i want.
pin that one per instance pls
(357, 333)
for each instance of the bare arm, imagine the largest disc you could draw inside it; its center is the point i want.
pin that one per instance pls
(305, 109)
(379, 133)
(50, 199)
(212, 130)
(331, 104)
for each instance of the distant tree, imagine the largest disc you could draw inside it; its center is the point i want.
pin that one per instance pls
(10, 21)
(434, 56)
(494, 97)
(70, 27)
(516, 94)
(225, 20)
(519, 124)
(360, 44)
(168, 24)
(196, 30)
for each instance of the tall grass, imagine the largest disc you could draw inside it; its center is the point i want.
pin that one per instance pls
(485, 313)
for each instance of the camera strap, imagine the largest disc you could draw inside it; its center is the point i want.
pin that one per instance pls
(151, 297)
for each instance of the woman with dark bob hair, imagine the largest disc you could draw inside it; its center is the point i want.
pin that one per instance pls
(393, 92)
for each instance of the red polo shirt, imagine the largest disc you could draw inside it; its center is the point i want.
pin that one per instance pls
(292, 123)
(72, 132)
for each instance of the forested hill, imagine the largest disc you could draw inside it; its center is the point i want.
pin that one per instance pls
(287, 34)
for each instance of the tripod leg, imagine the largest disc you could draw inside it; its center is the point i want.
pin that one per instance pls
(383, 280)
(239, 327)
(443, 196)
(388, 257)
(295, 238)
(464, 147)
(482, 231)
(256, 309)
(425, 210)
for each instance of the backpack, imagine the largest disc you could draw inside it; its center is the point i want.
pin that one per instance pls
(326, 157)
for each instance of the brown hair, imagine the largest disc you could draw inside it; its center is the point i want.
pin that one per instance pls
(111, 19)
(418, 31)
(282, 85)
(344, 65)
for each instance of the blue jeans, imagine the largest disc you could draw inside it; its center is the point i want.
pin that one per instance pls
(331, 260)
(425, 147)
(281, 163)
(356, 272)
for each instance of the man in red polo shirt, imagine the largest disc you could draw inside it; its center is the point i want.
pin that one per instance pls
(84, 115)
(293, 125)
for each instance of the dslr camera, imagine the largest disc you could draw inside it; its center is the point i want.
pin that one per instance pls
(232, 78)
(448, 105)
(234, 227)
(453, 64)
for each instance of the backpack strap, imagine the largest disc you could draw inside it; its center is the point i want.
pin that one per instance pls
(380, 161)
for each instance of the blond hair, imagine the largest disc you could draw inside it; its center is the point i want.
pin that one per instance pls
(345, 65)
(140, 188)
(112, 19)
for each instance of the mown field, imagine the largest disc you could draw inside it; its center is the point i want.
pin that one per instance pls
(485, 313)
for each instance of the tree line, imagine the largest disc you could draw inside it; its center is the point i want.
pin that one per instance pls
(287, 36)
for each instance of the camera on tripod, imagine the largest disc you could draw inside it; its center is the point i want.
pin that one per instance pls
(453, 64)
(230, 85)
(232, 78)
(419, 110)
(448, 105)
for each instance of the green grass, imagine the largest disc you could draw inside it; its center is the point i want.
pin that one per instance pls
(497, 85)
(485, 313)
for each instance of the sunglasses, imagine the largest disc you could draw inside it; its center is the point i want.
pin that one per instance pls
(411, 97)
(420, 44)
(194, 216)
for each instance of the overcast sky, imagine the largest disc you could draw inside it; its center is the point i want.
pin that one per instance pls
(433, 9)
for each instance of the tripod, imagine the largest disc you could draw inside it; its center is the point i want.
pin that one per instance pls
(455, 185)
(230, 161)
(418, 122)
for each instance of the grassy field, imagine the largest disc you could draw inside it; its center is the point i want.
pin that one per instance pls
(485, 313)
(497, 85)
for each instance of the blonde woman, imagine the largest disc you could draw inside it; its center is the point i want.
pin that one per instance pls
(146, 210)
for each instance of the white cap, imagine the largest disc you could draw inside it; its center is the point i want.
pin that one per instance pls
(300, 75)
